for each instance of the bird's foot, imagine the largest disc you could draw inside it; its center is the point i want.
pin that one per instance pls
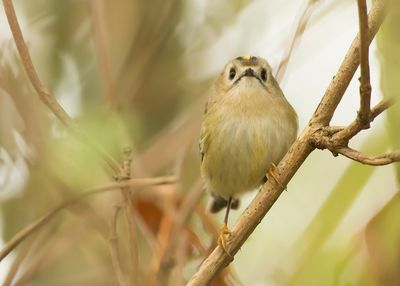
(224, 237)
(271, 174)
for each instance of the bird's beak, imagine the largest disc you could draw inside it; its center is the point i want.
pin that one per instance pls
(249, 72)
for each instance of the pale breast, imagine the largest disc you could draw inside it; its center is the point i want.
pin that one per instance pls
(242, 146)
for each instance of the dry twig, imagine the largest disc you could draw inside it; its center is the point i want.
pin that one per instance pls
(129, 217)
(113, 245)
(335, 141)
(19, 260)
(299, 151)
(379, 160)
(365, 86)
(300, 28)
(44, 94)
(34, 226)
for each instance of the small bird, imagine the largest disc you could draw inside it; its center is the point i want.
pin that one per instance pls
(247, 128)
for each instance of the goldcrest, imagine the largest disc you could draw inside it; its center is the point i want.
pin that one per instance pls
(248, 127)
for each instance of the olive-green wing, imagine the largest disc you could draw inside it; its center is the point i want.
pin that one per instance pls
(203, 136)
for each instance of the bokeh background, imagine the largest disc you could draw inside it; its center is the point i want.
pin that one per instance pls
(136, 73)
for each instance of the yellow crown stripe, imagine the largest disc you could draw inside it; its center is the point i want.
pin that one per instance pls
(247, 58)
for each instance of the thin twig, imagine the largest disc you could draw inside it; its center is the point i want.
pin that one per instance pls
(379, 160)
(34, 226)
(42, 91)
(336, 139)
(22, 254)
(301, 27)
(365, 84)
(288, 166)
(44, 94)
(335, 91)
(254, 213)
(37, 263)
(48, 252)
(129, 218)
(380, 107)
(342, 137)
(113, 245)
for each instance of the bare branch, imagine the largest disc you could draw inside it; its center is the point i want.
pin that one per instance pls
(380, 107)
(113, 245)
(42, 91)
(365, 85)
(336, 139)
(129, 217)
(254, 213)
(342, 137)
(34, 226)
(334, 93)
(17, 263)
(294, 158)
(44, 94)
(301, 27)
(379, 160)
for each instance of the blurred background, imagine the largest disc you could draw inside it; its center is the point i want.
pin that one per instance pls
(136, 73)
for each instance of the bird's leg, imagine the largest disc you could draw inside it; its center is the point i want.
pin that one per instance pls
(225, 232)
(271, 174)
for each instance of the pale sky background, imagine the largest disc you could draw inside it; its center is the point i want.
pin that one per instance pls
(262, 29)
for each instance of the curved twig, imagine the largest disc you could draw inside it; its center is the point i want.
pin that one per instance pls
(42, 91)
(34, 226)
(379, 160)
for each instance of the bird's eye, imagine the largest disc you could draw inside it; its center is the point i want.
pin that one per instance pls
(232, 73)
(264, 74)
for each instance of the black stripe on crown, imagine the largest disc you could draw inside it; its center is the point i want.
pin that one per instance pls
(248, 60)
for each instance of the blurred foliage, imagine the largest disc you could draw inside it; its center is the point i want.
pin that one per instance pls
(389, 44)
(383, 239)
(327, 220)
(121, 69)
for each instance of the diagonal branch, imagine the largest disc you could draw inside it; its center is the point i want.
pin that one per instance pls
(293, 159)
(255, 212)
(42, 91)
(335, 91)
(44, 94)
